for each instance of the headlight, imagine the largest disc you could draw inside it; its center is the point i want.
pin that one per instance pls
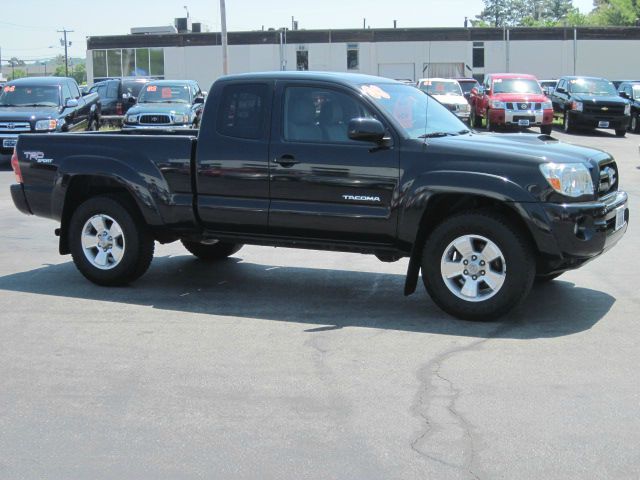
(46, 125)
(132, 119)
(464, 108)
(570, 179)
(547, 105)
(627, 109)
(181, 119)
(497, 105)
(577, 106)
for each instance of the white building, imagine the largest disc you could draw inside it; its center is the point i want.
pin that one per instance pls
(395, 53)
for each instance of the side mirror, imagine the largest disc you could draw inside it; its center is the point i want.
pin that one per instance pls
(132, 99)
(366, 130)
(71, 103)
(198, 100)
(560, 90)
(623, 94)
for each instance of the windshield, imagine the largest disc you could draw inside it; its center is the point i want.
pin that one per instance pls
(636, 92)
(516, 85)
(437, 87)
(467, 86)
(165, 94)
(418, 114)
(25, 96)
(593, 87)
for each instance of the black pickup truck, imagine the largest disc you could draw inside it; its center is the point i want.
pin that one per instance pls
(589, 102)
(335, 162)
(44, 104)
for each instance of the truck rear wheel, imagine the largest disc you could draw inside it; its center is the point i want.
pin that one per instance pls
(108, 245)
(477, 266)
(210, 252)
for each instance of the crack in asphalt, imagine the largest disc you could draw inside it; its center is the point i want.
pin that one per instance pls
(436, 405)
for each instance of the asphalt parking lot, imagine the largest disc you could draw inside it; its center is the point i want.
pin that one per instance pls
(287, 364)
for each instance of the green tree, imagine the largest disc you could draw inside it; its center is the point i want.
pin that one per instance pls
(60, 71)
(79, 73)
(616, 12)
(496, 13)
(18, 74)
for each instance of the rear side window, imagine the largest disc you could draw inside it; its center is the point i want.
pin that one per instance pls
(242, 111)
(112, 90)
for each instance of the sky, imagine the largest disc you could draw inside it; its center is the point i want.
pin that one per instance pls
(28, 28)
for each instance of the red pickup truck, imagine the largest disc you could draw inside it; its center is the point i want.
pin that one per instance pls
(511, 100)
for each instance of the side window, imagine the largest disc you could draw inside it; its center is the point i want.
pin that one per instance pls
(112, 90)
(75, 91)
(241, 113)
(66, 93)
(319, 115)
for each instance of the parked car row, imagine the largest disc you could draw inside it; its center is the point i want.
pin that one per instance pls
(44, 104)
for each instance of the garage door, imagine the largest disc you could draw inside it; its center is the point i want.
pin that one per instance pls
(397, 71)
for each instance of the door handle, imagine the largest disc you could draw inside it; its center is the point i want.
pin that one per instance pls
(285, 161)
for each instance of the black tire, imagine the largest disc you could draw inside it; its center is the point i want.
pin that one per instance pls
(475, 120)
(518, 256)
(212, 252)
(567, 125)
(93, 125)
(634, 124)
(139, 243)
(621, 132)
(547, 277)
(546, 129)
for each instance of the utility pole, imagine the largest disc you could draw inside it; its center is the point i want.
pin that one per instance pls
(223, 34)
(66, 52)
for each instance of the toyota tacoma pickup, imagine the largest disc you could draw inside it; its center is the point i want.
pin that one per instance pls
(44, 104)
(331, 161)
(511, 100)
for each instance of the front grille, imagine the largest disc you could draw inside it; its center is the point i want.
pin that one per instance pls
(451, 107)
(155, 120)
(521, 106)
(608, 178)
(15, 127)
(604, 110)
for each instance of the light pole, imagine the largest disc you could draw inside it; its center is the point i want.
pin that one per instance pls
(66, 54)
(223, 34)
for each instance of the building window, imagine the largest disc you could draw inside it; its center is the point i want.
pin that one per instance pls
(353, 56)
(302, 58)
(128, 62)
(99, 63)
(478, 54)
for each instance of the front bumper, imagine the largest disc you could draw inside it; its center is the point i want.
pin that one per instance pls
(536, 118)
(583, 231)
(171, 126)
(589, 120)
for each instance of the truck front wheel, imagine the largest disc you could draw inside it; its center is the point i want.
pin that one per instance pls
(211, 252)
(108, 245)
(477, 266)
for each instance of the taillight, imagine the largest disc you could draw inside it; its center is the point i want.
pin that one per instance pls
(16, 166)
(119, 109)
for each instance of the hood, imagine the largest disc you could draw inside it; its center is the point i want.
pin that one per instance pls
(180, 108)
(606, 99)
(26, 114)
(451, 99)
(520, 97)
(525, 148)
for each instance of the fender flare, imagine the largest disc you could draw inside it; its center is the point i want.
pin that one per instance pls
(419, 197)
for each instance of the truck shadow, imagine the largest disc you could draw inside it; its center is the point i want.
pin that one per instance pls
(323, 298)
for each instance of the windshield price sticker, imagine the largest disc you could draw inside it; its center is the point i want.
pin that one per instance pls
(10, 88)
(166, 92)
(152, 88)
